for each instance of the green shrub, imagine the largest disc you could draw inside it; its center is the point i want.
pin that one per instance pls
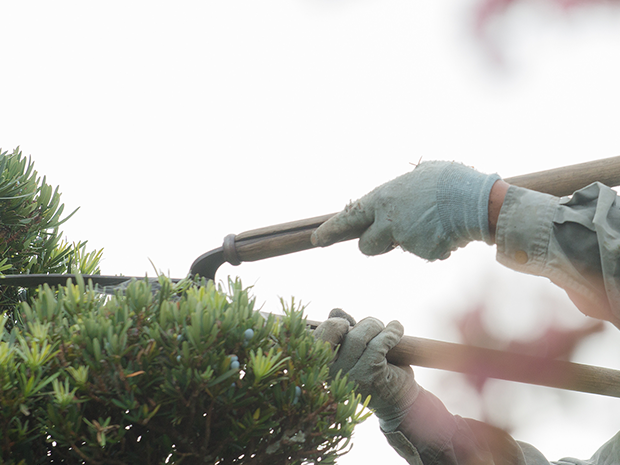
(189, 373)
(30, 241)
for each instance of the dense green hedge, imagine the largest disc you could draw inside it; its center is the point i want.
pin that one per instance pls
(187, 374)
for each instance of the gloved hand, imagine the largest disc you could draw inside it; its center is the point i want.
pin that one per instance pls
(362, 354)
(431, 211)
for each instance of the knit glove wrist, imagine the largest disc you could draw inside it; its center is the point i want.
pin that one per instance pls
(463, 203)
(362, 355)
(431, 211)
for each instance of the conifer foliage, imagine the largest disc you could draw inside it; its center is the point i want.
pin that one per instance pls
(187, 374)
(30, 241)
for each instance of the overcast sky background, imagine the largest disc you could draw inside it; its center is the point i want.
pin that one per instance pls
(173, 124)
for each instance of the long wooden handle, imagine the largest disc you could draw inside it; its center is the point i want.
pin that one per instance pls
(568, 179)
(506, 365)
(499, 364)
(285, 238)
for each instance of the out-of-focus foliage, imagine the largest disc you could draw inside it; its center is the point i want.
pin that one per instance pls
(490, 18)
(187, 374)
(488, 9)
(30, 242)
(555, 341)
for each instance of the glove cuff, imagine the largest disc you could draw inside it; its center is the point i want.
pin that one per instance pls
(391, 417)
(463, 203)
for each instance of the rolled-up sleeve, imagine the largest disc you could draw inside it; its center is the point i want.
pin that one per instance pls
(575, 242)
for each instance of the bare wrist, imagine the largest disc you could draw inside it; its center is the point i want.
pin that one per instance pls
(496, 200)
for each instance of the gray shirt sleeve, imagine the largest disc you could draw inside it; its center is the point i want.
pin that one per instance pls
(575, 242)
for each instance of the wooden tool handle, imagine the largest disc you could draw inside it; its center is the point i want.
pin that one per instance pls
(509, 366)
(568, 179)
(280, 239)
(285, 238)
(499, 364)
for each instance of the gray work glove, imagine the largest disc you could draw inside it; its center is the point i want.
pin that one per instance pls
(430, 211)
(335, 328)
(362, 354)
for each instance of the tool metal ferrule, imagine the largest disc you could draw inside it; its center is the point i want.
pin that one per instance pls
(230, 250)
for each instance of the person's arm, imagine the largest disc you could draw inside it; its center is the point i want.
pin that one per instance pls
(441, 206)
(432, 435)
(415, 423)
(573, 241)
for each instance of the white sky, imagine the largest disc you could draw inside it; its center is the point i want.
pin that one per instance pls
(173, 124)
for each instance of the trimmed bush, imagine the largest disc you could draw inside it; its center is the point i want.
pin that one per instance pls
(179, 373)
